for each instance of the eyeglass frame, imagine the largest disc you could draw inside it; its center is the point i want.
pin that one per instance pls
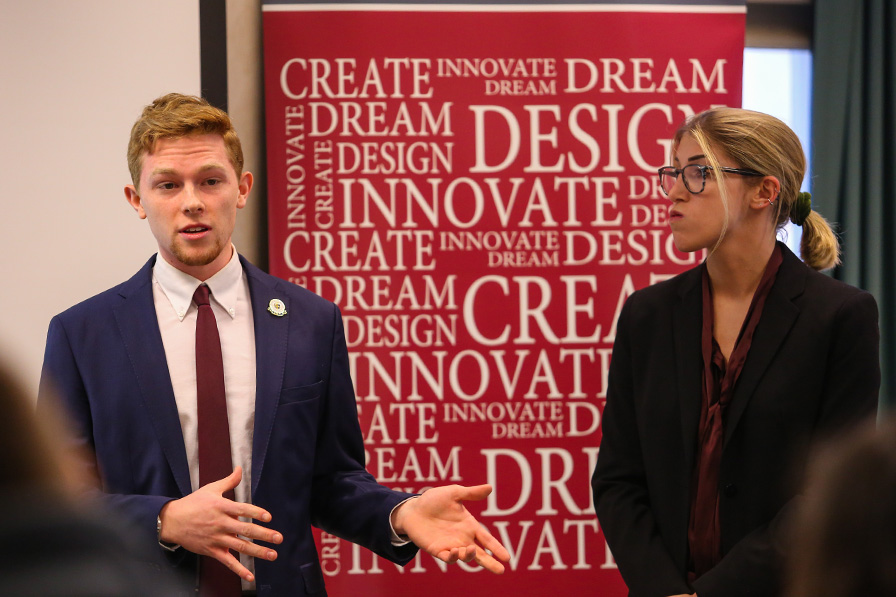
(703, 168)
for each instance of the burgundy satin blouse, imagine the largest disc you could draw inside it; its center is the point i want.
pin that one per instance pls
(719, 379)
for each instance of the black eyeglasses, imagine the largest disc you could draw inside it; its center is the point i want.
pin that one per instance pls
(694, 176)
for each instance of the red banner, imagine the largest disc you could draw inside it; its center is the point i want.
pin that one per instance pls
(475, 187)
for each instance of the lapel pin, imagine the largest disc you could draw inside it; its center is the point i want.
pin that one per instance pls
(276, 307)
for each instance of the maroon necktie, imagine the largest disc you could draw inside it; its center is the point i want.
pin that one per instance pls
(215, 579)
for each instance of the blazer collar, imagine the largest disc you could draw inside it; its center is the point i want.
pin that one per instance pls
(686, 327)
(271, 346)
(136, 318)
(778, 316)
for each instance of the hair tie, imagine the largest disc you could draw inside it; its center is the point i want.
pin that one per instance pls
(801, 208)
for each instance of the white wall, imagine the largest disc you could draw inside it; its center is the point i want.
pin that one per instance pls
(778, 81)
(73, 78)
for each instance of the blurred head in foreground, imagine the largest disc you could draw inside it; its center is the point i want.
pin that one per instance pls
(57, 544)
(845, 531)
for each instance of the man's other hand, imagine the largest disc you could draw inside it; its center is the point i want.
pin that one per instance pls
(438, 523)
(209, 524)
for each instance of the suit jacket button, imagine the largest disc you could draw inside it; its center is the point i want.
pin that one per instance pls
(730, 490)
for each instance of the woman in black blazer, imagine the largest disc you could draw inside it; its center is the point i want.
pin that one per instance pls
(723, 376)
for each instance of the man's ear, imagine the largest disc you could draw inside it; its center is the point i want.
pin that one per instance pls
(766, 193)
(245, 185)
(133, 197)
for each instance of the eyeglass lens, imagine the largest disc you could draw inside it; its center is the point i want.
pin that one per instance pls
(693, 174)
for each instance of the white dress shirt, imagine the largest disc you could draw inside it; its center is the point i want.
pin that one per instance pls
(230, 300)
(173, 297)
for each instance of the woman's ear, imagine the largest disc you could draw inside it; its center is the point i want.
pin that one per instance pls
(766, 193)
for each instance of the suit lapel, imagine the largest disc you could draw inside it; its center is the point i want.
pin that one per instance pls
(271, 339)
(139, 327)
(686, 326)
(778, 317)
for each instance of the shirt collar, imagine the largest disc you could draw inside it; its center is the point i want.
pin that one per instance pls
(179, 286)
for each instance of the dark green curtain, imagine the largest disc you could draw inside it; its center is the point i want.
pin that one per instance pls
(854, 151)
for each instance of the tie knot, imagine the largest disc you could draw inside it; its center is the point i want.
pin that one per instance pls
(200, 297)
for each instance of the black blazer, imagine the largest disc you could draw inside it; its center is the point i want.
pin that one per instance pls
(812, 369)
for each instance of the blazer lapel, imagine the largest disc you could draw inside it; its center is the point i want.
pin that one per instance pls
(139, 327)
(778, 317)
(686, 328)
(271, 344)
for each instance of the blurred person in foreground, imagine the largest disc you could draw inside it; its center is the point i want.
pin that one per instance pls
(844, 534)
(722, 377)
(146, 375)
(54, 545)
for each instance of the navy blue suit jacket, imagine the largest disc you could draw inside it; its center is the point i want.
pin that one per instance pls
(105, 361)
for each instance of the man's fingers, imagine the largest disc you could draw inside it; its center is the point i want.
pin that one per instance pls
(474, 493)
(258, 533)
(232, 525)
(448, 556)
(469, 554)
(251, 549)
(227, 483)
(488, 541)
(225, 557)
(241, 510)
(455, 554)
(488, 562)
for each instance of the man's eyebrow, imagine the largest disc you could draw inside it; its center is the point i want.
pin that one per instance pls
(212, 166)
(173, 171)
(163, 172)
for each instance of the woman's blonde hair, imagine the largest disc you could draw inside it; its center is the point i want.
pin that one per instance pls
(759, 142)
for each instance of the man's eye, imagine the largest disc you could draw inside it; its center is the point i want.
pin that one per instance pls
(166, 186)
(213, 181)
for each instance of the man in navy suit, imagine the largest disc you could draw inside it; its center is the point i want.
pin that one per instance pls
(123, 364)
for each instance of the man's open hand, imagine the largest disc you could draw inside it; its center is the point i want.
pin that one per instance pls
(438, 523)
(207, 523)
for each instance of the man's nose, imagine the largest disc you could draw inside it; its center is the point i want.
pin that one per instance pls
(192, 202)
